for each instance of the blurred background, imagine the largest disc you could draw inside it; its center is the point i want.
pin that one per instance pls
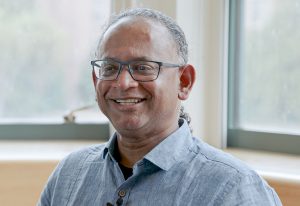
(246, 99)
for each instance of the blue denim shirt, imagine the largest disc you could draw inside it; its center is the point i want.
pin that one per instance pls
(181, 170)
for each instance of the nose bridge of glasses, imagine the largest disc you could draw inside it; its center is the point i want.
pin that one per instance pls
(128, 69)
(127, 65)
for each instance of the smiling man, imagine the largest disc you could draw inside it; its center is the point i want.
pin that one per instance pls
(141, 75)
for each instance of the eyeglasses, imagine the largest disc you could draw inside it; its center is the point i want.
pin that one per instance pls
(142, 71)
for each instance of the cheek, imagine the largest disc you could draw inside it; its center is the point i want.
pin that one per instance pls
(101, 90)
(166, 90)
(171, 85)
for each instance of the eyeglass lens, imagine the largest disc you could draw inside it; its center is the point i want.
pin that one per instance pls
(139, 70)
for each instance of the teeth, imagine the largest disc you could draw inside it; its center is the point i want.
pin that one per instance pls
(127, 101)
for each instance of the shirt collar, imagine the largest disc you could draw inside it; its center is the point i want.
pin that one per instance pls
(110, 146)
(170, 151)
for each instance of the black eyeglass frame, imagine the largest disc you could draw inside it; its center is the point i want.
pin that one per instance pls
(129, 68)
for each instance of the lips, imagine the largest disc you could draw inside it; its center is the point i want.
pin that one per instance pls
(129, 101)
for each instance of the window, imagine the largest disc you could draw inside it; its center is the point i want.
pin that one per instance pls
(264, 76)
(46, 48)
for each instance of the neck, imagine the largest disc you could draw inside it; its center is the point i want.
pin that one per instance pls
(132, 149)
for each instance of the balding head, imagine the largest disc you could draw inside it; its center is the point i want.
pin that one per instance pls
(175, 32)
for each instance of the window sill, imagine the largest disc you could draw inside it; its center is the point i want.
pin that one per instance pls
(269, 164)
(40, 150)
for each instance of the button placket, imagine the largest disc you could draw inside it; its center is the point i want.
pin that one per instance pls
(122, 193)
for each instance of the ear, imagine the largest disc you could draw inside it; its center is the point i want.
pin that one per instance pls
(94, 79)
(187, 80)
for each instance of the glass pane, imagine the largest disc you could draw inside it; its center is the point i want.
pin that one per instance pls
(269, 81)
(45, 53)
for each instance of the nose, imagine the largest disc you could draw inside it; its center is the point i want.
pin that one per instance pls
(125, 80)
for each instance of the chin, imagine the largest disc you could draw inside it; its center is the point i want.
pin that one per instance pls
(128, 125)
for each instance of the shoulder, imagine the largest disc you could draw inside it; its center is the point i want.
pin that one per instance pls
(72, 164)
(233, 177)
(82, 156)
(63, 178)
(212, 157)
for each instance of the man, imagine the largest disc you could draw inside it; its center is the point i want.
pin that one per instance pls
(141, 75)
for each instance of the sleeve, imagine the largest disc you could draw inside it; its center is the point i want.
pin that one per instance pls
(47, 193)
(251, 190)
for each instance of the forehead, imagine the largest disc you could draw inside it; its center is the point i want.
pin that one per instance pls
(136, 34)
(140, 25)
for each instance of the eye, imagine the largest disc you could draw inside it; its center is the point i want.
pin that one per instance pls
(108, 69)
(143, 68)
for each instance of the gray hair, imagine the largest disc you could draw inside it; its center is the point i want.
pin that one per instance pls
(184, 115)
(174, 29)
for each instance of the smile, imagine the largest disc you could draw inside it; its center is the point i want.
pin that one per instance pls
(128, 101)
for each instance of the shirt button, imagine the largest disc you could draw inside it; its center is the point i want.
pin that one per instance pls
(122, 193)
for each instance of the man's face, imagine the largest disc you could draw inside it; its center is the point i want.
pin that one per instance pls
(140, 108)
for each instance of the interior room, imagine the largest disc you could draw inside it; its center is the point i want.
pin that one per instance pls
(245, 100)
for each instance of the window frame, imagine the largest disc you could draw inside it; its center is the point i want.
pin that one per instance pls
(48, 131)
(240, 137)
(54, 131)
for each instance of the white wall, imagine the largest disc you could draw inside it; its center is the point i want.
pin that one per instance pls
(205, 23)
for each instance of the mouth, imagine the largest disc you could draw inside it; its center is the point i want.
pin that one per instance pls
(132, 101)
